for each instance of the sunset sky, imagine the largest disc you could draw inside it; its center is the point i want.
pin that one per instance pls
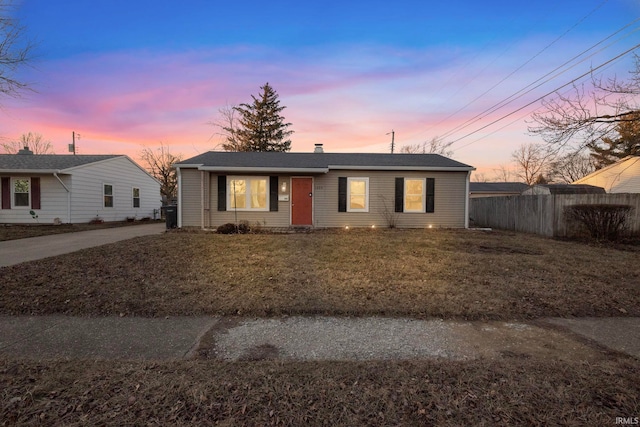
(129, 74)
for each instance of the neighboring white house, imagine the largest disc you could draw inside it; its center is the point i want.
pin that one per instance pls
(620, 177)
(74, 189)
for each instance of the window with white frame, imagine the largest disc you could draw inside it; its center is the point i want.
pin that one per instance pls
(248, 193)
(107, 193)
(414, 194)
(21, 188)
(136, 197)
(357, 194)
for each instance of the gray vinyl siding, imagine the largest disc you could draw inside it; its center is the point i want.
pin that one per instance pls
(281, 218)
(87, 191)
(190, 205)
(450, 196)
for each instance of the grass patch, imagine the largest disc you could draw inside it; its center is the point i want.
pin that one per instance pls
(455, 274)
(19, 231)
(443, 393)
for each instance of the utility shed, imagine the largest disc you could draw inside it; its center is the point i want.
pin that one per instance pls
(542, 189)
(319, 189)
(50, 188)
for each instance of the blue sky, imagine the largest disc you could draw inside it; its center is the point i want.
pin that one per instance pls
(128, 74)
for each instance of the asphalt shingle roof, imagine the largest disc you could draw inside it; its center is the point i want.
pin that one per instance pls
(48, 161)
(497, 187)
(319, 160)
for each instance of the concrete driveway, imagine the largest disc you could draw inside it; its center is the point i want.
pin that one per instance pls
(22, 250)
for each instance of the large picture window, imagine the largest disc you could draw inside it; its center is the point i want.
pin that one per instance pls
(248, 193)
(357, 194)
(107, 193)
(21, 188)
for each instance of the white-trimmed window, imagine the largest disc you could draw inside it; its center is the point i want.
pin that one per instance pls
(415, 192)
(357, 194)
(107, 193)
(21, 191)
(135, 196)
(248, 193)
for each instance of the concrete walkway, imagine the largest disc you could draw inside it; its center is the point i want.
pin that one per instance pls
(310, 338)
(33, 248)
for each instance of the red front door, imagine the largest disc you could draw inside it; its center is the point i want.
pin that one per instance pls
(301, 201)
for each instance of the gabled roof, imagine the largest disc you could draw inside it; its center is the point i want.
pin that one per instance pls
(318, 162)
(497, 187)
(47, 163)
(620, 177)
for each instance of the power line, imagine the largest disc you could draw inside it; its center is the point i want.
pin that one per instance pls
(520, 67)
(544, 96)
(524, 91)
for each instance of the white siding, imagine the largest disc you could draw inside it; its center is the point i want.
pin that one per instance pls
(623, 177)
(87, 191)
(53, 202)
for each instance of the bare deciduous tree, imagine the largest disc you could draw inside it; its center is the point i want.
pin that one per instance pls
(587, 114)
(434, 146)
(227, 124)
(14, 52)
(503, 174)
(159, 163)
(531, 162)
(571, 167)
(32, 140)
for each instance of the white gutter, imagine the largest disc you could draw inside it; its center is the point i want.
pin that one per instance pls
(68, 197)
(245, 169)
(404, 168)
(179, 197)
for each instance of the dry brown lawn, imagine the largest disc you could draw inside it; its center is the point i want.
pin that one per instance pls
(18, 231)
(510, 392)
(419, 273)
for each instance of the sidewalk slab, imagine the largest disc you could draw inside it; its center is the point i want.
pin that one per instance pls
(33, 248)
(618, 333)
(64, 337)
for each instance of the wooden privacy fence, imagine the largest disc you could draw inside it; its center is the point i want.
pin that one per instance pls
(542, 214)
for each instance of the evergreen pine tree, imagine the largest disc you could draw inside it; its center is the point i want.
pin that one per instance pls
(260, 125)
(627, 143)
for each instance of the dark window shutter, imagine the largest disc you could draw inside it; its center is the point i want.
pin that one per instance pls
(399, 194)
(431, 194)
(6, 193)
(342, 194)
(222, 192)
(273, 193)
(35, 193)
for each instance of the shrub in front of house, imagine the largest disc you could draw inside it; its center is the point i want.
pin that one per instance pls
(231, 228)
(600, 221)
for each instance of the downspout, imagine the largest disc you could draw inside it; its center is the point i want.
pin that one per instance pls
(68, 197)
(202, 200)
(466, 201)
(179, 174)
